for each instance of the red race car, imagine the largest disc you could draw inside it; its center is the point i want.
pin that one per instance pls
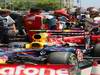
(71, 36)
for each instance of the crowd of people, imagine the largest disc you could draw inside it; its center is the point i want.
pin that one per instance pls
(36, 19)
(58, 19)
(63, 19)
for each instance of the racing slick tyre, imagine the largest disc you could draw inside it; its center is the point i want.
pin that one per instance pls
(62, 58)
(96, 50)
(17, 44)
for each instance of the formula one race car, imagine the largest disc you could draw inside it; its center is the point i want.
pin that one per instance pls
(41, 50)
(39, 57)
(51, 48)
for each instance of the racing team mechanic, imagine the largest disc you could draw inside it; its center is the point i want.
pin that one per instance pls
(33, 20)
(8, 25)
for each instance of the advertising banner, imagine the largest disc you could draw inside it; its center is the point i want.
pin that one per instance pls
(30, 69)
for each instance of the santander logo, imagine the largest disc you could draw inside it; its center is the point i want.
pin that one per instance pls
(33, 70)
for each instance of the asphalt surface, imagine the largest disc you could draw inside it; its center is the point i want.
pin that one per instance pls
(86, 71)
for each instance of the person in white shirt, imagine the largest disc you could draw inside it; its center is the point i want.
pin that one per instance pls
(10, 22)
(8, 25)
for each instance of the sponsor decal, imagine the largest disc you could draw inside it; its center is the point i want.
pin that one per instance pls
(29, 69)
(3, 59)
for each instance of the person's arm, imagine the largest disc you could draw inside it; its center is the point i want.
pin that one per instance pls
(89, 20)
(14, 28)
